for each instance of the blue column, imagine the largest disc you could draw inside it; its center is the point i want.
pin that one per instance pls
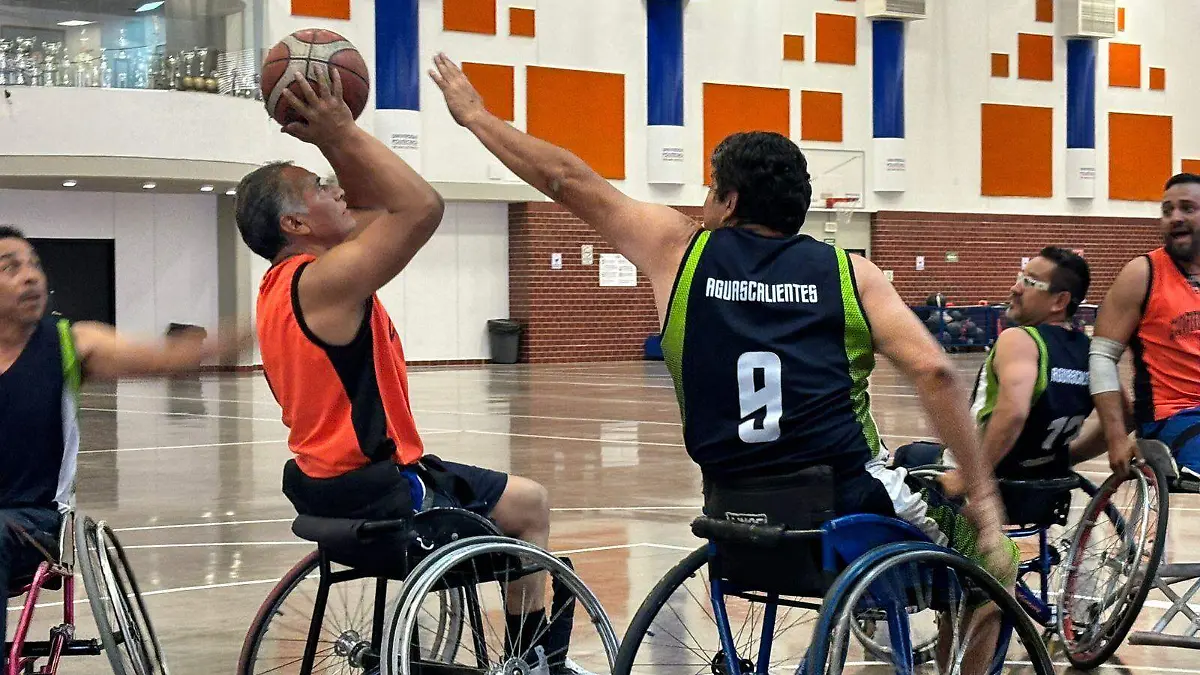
(1081, 93)
(888, 78)
(664, 62)
(397, 56)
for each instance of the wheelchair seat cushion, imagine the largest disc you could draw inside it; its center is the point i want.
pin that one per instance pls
(750, 551)
(1038, 503)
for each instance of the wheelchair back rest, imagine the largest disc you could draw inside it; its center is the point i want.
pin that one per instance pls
(918, 454)
(764, 531)
(849, 537)
(1038, 503)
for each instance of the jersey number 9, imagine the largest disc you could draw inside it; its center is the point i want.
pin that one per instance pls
(760, 391)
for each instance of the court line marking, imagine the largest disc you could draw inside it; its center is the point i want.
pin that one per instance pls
(185, 447)
(263, 521)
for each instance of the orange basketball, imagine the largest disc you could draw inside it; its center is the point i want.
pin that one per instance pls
(312, 51)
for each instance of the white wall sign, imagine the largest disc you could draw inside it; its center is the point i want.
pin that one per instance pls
(616, 270)
(556, 261)
(920, 263)
(585, 254)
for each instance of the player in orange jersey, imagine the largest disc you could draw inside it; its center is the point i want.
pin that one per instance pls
(1154, 307)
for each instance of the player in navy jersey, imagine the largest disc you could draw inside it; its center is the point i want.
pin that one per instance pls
(43, 360)
(770, 335)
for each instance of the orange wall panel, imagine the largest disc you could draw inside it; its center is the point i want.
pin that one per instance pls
(793, 47)
(730, 108)
(581, 110)
(1045, 11)
(1121, 19)
(821, 116)
(837, 39)
(999, 65)
(1018, 151)
(325, 9)
(1140, 157)
(1191, 166)
(1124, 65)
(469, 16)
(495, 84)
(1035, 57)
(521, 22)
(1158, 79)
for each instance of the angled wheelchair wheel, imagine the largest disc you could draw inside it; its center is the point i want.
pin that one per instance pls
(279, 633)
(677, 629)
(481, 568)
(1111, 566)
(121, 618)
(898, 578)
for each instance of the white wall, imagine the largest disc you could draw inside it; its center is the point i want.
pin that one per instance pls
(165, 248)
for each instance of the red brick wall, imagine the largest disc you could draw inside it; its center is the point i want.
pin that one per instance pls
(566, 315)
(990, 248)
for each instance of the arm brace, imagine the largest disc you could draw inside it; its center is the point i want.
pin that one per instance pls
(1102, 365)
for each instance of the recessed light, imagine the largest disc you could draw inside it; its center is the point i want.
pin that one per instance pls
(231, 192)
(149, 6)
(206, 188)
(70, 183)
(75, 22)
(149, 185)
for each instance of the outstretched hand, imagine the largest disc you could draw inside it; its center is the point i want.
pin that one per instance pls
(461, 98)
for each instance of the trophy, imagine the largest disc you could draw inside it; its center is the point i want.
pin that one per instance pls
(50, 51)
(189, 70)
(120, 63)
(6, 63)
(24, 63)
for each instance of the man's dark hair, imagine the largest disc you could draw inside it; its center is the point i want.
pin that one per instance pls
(770, 175)
(1181, 179)
(1071, 274)
(263, 196)
(10, 232)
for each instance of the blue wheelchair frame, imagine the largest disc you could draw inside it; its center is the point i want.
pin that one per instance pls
(849, 545)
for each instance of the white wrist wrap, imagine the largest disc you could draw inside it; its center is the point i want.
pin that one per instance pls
(1102, 365)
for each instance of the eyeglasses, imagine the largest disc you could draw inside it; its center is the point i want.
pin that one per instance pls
(1030, 282)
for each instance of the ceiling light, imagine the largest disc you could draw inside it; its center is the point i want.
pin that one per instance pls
(70, 183)
(206, 188)
(149, 185)
(75, 22)
(231, 192)
(149, 6)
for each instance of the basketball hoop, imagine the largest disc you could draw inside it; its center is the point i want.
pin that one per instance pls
(842, 207)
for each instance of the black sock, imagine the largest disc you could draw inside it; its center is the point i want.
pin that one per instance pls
(521, 634)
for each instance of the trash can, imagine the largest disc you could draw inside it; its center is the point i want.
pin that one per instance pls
(652, 348)
(504, 339)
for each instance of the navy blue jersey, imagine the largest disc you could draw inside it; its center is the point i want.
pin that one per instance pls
(770, 352)
(39, 432)
(1061, 402)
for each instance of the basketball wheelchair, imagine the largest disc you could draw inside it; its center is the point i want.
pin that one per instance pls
(126, 635)
(776, 559)
(1112, 557)
(436, 620)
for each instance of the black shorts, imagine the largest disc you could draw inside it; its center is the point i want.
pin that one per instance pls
(487, 486)
(385, 490)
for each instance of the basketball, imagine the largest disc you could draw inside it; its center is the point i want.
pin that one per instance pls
(312, 51)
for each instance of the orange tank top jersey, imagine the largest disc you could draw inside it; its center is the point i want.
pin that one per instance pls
(344, 406)
(1166, 350)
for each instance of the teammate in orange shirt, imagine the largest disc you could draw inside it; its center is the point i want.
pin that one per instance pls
(1154, 307)
(331, 354)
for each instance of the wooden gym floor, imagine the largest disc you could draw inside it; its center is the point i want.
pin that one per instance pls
(188, 472)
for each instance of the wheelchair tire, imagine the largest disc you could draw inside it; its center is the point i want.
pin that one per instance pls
(128, 637)
(655, 599)
(1093, 655)
(854, 581)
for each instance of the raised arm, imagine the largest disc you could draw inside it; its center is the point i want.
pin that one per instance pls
(1116, 322)
(396, 210)
(652, 236)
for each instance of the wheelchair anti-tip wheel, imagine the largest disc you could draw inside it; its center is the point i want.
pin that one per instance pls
(483, 568)
(1112, 564)
(121, 618)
